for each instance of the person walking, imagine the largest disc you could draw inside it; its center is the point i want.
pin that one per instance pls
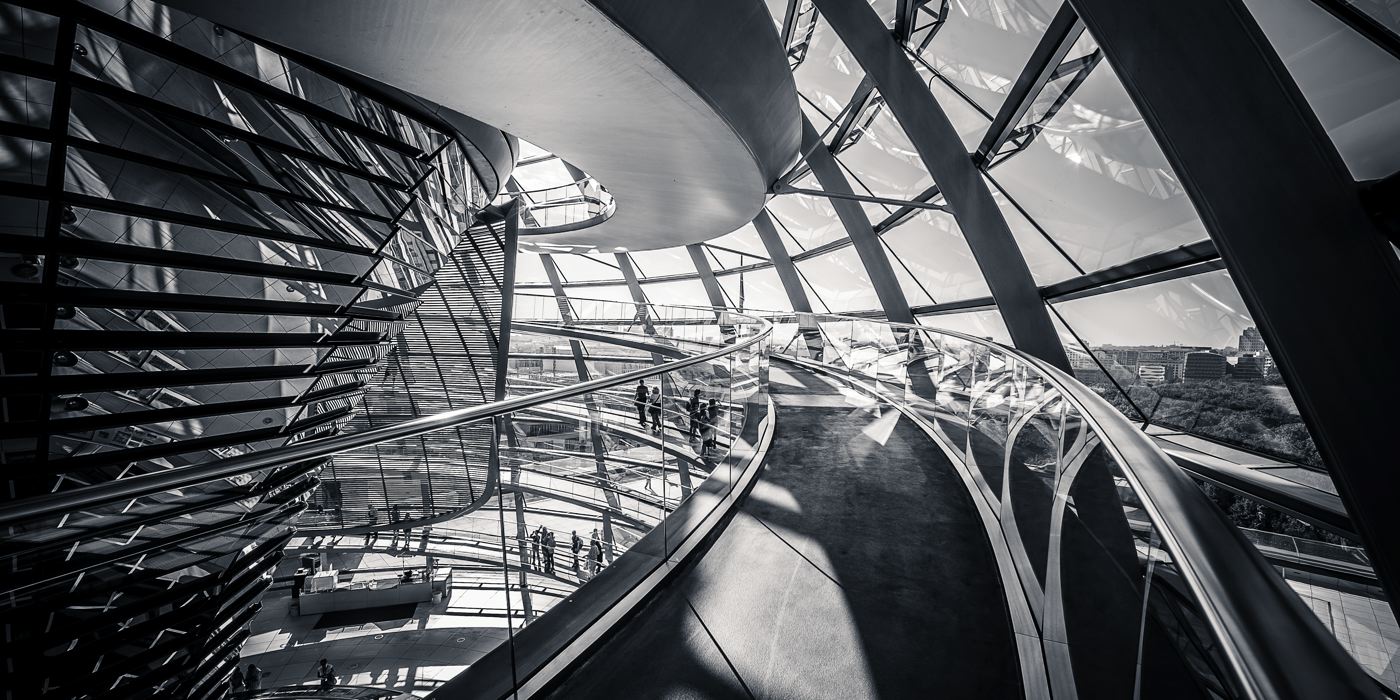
(326, 672)
(407, 531)
(654, 408)
(252, 680)
(640, 399)
(711, 418)
(535, 548)
(576, 544)
(596, 549)
(548, 551)
(693, 407)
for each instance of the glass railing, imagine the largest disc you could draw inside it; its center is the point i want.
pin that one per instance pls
(565, 208)
(575, 455)
(1113, 561)
(1300, 550)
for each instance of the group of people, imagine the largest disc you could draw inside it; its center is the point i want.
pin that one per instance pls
(251, 679)
(703, 417)
(396, 515)
(543, 539)
(542, 548)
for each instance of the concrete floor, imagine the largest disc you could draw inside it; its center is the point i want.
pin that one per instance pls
(855, 568)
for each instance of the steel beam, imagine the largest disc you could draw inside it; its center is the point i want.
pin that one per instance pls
(707, 276)
(858, 228)
(787, 272)
(942, 152)
(629, 275)
(1313, 268)
(1059, 37)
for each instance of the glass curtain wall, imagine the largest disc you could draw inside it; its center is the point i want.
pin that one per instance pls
(1084, 187)
(206, 249)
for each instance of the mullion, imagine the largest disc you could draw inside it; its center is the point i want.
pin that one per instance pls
(154, 106)
(60, 117)
(189, 58)
(217, 178)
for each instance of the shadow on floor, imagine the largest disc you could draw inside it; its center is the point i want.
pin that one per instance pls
(857, 567)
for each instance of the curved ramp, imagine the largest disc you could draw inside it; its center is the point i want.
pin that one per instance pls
(855, 568)
(676, 107)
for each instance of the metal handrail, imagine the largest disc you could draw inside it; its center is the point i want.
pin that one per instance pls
(1274, 643)
(529, 203)
(157, 482)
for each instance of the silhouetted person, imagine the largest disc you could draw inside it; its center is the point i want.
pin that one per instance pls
(535, 548)
(639, 397)
(654, 408)
(253, 678)
(576, 544)
(326, 672)
(595, 556)
(711, 425)
(693, 407)
(548, 551)
(235, 681)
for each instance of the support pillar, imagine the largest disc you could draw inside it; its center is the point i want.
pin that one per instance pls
(1314, 270)
(782, 263)
(858, 228)
(707, 276)
(942, 151)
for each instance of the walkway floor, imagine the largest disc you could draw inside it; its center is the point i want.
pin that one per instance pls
(855, 568)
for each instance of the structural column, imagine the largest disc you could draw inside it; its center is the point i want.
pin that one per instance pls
(858, 228)
(782, 262)
(707, 275)
(1314, 270)
(942, 151)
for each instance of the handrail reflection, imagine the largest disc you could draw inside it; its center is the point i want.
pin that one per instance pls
(1274, 646)
(157, 482)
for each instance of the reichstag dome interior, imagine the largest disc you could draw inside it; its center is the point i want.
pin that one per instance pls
(449, 349)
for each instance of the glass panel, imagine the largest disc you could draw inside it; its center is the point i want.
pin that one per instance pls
(1097, 182)
(829, 75)
(25, 100)
(27, 33)
(885, 162)
(659, 263)
(529, 268)
(681, 292)
(971, 124)
(981, 324)
(743, 239)
(757, 289)
(23, 161)
(984, 44)
(1351, 84)
(932, 246)
(839, 278)
(1192, 359)
(808, 220)
(587, 268)
(1047, 264)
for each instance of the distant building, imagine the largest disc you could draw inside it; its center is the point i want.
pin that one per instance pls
(1251, 342)
(1171, 360)
(1079, 359)
(1250, 368)
(1204, 366)
(1152, 374)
